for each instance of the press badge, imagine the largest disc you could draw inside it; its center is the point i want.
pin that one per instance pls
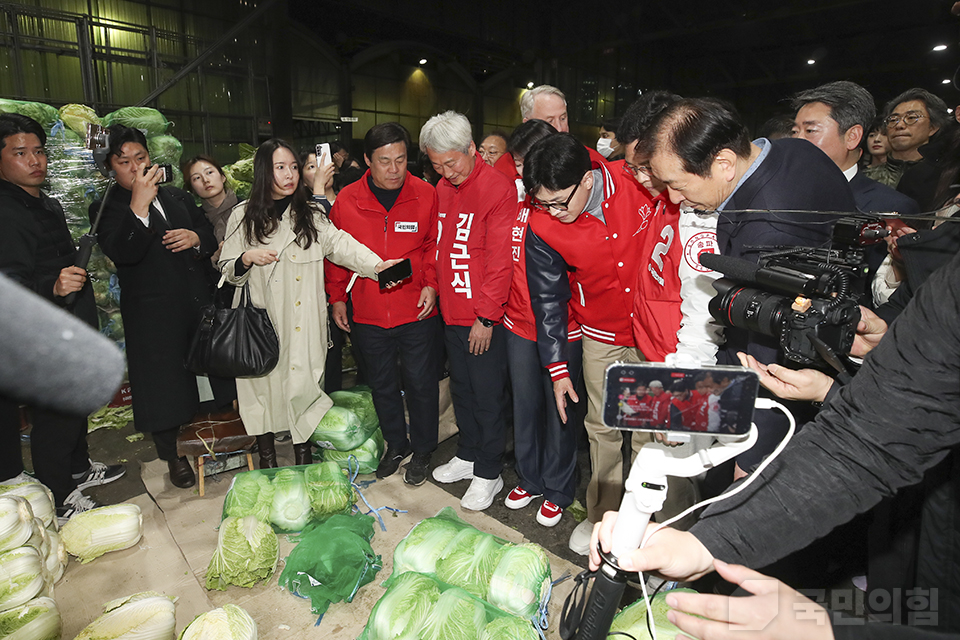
(405, 227)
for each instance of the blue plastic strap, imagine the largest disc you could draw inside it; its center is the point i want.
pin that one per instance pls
(375, 512)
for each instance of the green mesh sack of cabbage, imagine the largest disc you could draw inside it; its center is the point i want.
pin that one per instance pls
(632, 620)
(349, 423)
(420, 606)
(514, 578)
(290, 497)
(46, 115)
(332, 562)
(366, 456)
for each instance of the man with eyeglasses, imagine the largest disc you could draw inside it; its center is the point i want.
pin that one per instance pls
(912, 119)
(588, 220)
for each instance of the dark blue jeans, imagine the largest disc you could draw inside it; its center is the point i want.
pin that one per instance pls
(478, 387)
(545, 447)
(419, 350)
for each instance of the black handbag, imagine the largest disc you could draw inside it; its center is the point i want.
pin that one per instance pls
(234, 343)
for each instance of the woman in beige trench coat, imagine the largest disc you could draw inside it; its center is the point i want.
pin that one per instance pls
(276, 243)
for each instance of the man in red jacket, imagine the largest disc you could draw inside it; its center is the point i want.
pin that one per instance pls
(478, 205)
(587, 219)
(394, 213)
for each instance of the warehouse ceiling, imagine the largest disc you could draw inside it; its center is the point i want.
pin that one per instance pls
(754, 52)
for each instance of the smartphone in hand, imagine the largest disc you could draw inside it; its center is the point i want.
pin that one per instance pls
(397, 273)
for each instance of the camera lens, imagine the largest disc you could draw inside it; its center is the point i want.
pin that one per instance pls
(748, 308)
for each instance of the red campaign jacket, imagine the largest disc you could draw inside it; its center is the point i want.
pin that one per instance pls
(605, 259)
(660, 408)
(656, 307)
(408, 230)
(518, 315)
(474, 268)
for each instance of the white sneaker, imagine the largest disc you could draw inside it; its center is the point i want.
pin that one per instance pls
(580, 538)
(453, 471)
(481, 493)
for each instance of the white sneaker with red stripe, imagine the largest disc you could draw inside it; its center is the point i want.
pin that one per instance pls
(549, 514)
(519, 498)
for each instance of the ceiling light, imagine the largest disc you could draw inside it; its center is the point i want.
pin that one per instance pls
(529, 85)
(940, 47)
(811, 61)
(423, 61)
(949, 110)
(945, 81)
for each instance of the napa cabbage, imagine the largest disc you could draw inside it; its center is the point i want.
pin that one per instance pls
(520, 581)
(367, 455)
(424, 544)
(145, 616)
(21, 577)
(470, 560)
(455, 616)
(509, 628)
(329, 490)
(37, 619)
(401, 611)
(290, 510)
(228, 623)
(148, 120)
(77, 117)
(247, 552)
(632, 619)
(39, 497)
(250, 495)
(16, 522)
(90, 534)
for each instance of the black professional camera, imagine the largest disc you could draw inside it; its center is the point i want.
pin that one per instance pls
(806, 297)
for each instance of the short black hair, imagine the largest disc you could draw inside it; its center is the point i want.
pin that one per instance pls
(499, 133)
(13, 123)
(383, 134)
(850, 104)
(612, 125)
(640, 114)
(696, 130)
(121, 135)
(526, 135)
(778, 126)
(936, 107)
(555, 163)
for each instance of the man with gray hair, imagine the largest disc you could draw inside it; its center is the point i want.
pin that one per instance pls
(835, 117)
(911, 120)
(474, 270)
(547, 103)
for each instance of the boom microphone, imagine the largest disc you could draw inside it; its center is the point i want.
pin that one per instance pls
(736, 268)
(51, 359)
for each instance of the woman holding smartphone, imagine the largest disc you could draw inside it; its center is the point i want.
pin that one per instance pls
(276, 242)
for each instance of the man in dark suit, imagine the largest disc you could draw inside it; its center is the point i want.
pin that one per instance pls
(835, 117)
(161, 243)
(767, 194)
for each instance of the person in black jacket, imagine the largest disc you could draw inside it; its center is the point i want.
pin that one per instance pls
(36, 251)
(161, 243)
(899, 417)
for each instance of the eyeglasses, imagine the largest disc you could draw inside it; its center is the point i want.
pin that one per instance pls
(910, 118)
(559, 206)
(634, 170)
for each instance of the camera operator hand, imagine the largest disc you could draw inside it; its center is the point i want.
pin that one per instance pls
(144, 189)
(673, 554)
(773, 612)
(869, 333)
(790, 384)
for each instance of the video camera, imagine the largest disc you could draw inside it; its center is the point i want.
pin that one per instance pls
(806, 297)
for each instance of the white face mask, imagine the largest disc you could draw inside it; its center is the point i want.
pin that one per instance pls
(604, 147)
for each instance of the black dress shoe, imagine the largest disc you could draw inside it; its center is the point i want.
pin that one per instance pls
(392, 459)
(268, 455)
(303, 453)
(181, 473)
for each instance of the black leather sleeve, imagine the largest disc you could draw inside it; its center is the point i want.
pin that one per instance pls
(549, 294)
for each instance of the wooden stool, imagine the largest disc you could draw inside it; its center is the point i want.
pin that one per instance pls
(213, 433)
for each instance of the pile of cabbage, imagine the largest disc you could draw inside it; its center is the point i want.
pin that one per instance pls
(32, 560)
(420, 606)
(152, 616)
(349, 433)
(511, 578)
(290, 497)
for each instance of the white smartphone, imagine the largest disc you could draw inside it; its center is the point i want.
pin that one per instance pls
(323, 154)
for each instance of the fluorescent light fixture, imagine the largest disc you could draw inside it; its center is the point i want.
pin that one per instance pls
(940, 47)
(423, 61)
(530, 85)
(811, 61)
(945, 81)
